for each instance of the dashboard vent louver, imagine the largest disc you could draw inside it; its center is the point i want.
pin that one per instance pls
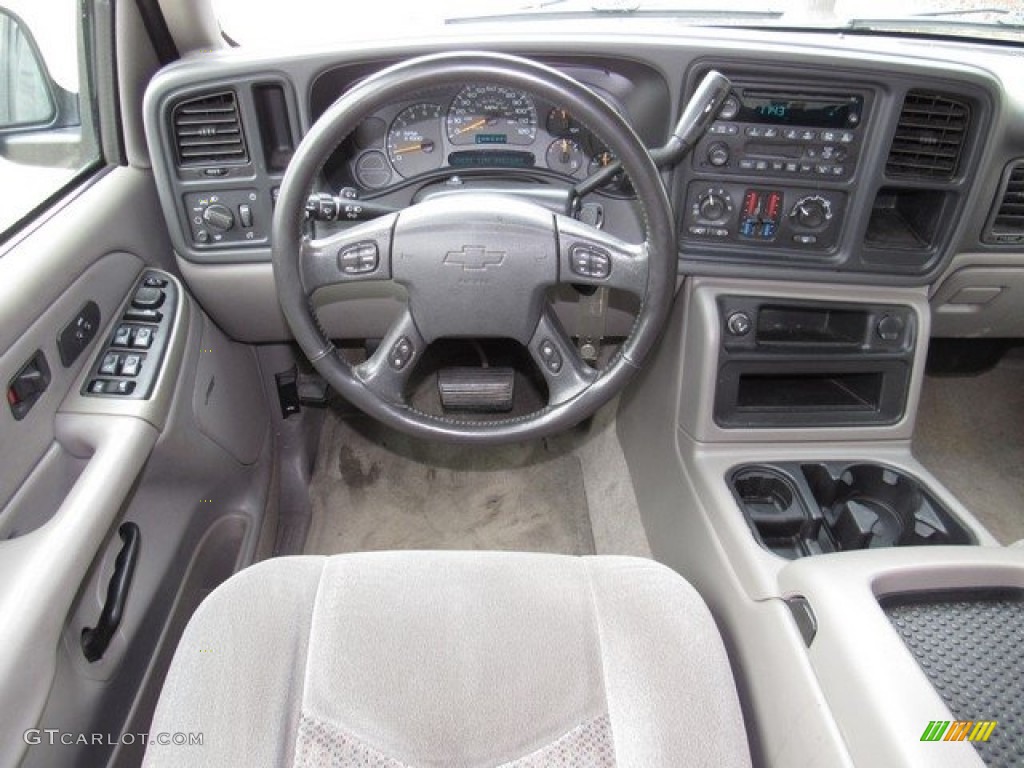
(207, 131)
(929, 137)
(1008, 222)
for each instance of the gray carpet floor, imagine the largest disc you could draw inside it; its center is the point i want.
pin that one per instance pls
(375, 489)
(970, 434)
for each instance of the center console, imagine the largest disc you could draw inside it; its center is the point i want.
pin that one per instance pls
(772, 170)
(770, 448)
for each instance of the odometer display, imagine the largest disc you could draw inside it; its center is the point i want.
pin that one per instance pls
(492, 115)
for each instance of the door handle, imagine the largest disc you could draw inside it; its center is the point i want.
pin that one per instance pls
(96, 639)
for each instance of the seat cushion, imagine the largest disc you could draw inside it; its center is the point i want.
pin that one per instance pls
(472, 659)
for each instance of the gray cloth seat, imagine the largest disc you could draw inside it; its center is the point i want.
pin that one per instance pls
(470, 659)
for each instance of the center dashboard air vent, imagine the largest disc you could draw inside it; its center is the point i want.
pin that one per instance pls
(929, 138)
(207, 131)
(1007, 222)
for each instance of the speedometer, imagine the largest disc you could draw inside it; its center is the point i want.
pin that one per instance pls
(492, 114)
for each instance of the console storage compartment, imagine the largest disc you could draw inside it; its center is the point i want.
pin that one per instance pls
(799, 509)
(812, 364)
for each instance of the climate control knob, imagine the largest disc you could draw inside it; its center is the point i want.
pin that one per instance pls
(811, 212)
(218, 217)
(713, 206)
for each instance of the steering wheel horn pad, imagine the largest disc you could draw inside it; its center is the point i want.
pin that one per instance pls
(475, 264)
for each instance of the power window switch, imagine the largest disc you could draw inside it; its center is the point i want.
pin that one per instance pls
(110, 365)
(131, 365)
(98, 386)
(143, 338)
(123, 336)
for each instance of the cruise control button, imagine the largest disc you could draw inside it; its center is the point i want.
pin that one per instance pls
(359, 259)
(401, 353)
(131, 365)
(550, 355)
(588, 261)
(110, 365)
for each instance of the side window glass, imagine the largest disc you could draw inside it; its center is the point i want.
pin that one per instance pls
(44, 142)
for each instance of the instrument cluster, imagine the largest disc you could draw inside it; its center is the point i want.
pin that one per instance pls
(478, 126)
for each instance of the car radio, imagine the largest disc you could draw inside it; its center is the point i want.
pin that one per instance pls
(784, 133)
(773, 170)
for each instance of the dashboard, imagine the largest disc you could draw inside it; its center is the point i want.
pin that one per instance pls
(871, 160)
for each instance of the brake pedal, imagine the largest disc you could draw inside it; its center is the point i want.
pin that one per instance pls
(481, 390)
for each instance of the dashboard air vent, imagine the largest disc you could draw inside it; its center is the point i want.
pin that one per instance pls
(1008, 221)
(207, 131)
(929, 137)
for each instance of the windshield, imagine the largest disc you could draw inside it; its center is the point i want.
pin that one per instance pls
(272, 22)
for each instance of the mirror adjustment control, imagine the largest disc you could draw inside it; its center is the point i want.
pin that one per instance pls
(148, 298)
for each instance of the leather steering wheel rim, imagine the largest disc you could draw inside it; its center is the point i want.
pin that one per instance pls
(408, 78)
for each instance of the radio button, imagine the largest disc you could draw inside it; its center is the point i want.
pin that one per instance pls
(725, 129)
(718, 154)
(792, 167)
(698, 231)
(778, 165)
(754, 131)
(771, 133)
(730, 108)
(791, 133)
(808, 135)
(829, 136)
(746, 164)
(761, 165)
(838, 170)
(805, 239)
(846, 136)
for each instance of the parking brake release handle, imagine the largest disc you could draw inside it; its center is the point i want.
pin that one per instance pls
(95, 640)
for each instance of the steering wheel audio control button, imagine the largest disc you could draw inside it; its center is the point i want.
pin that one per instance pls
(587, 261)
(401, 353)
(359, 259)
(550, 355)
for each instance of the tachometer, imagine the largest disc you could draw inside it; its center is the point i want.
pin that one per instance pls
(414, 141)
(492, 114)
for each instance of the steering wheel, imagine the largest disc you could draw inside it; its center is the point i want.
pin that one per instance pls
(474, 265)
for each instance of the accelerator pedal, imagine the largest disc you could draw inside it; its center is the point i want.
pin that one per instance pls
(480, 390)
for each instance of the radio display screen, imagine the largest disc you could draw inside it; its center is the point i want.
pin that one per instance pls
(788, 109)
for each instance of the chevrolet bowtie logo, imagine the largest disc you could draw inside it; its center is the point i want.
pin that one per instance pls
(475, 257)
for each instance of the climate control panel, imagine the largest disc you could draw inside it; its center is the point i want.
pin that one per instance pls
(774, 216)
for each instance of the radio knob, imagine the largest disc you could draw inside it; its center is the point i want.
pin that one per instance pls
(718, 154)
(712, 206)
(219, 217)
(811, 212)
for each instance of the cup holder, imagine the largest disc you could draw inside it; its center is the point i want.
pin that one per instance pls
(796, 510)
